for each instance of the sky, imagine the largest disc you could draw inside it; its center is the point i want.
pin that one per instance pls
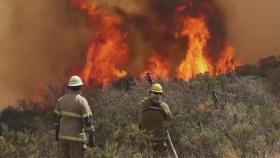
(253, 27)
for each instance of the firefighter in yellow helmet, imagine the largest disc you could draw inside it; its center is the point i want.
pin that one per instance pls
(73, 121)
(153, 116)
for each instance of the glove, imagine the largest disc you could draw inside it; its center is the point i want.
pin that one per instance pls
(56, 133)
(91, 142)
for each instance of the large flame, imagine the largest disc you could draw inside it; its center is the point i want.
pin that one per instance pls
(107, 56)
(108, 50)
(195, 61)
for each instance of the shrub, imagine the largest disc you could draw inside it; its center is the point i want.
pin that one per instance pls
(223, 116)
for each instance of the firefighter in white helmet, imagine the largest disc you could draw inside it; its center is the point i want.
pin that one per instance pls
(73, 121)
(153, 116)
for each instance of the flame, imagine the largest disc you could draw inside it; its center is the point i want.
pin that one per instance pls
(158, 66)
(226, 63)
(108, 50)
(195, 62)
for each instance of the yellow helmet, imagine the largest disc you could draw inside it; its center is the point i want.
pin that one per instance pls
(156, 88)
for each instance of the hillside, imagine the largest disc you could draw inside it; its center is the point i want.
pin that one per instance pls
(235, 115)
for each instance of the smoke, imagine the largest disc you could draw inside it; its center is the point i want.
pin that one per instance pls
(39, 41)
(148, 24)
(152, 28)
(253, 27)
(153, 31)
(42, 40)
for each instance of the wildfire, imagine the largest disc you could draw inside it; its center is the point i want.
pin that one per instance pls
(108, 57)
(108, 50)
(158, 66)
(226, 62)
(195, 62)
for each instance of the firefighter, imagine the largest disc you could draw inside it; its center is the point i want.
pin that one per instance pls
(73, 122)
(153, 117)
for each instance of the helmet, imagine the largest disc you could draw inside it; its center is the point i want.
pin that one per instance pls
(156, 88)
(75, 81)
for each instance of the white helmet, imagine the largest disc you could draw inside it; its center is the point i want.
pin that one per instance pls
(75, 81)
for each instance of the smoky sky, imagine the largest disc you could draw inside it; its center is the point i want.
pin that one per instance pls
(253, 27)
(39, 41)
(42, 40)
(154, 30)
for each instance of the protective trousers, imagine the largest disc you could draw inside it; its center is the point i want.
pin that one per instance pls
(70, 149)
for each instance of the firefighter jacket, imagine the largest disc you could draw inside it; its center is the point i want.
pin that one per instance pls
(152, 117)
(73, 117)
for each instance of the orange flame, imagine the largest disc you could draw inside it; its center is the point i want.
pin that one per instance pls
(195, 62)
(158, 66)
(226, 63)
(108, 50)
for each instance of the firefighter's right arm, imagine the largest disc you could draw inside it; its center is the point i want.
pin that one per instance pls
(167, 112)
(87, 116)
(88, 122)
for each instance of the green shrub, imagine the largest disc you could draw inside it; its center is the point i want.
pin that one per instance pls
(242, 119)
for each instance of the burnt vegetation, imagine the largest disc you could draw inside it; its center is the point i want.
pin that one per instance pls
(235, 115)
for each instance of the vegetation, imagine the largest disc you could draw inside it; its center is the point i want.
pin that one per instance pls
(224, 116)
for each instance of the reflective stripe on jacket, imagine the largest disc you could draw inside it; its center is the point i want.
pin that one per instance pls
(72, 109)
